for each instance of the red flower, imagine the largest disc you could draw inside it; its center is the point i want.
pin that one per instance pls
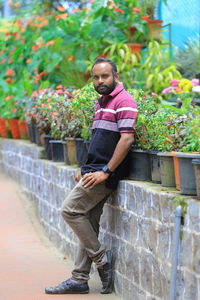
(34, 94)
(10, 72)
(13, 109)
(119, 10)
(59, 92)
(9, 80)
(28, 60)
(145, 18)
(59, 87)
(8, 98)
(136, 9)
(70, 58)
(61, 8)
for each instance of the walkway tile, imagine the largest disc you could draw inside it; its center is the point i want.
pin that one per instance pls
(28, 261)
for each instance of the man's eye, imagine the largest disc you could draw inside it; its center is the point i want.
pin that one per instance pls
(105, 76)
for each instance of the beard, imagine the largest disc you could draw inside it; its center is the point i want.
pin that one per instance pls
(106, 89)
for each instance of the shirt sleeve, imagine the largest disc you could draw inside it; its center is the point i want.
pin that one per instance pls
(126, 114)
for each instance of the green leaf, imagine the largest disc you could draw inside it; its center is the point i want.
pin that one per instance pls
(4, 85)
(97, 28)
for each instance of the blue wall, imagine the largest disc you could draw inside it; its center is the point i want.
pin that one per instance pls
(184, 16)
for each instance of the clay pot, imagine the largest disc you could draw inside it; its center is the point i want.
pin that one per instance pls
(14, 128)
(23, 129)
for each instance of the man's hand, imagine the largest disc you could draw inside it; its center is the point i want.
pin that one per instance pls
(77, 177)
(92, 179)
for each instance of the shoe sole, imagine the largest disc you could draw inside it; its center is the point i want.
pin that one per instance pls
(49, 293)
(109, 288)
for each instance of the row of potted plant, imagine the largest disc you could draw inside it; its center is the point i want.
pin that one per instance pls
(163, 132)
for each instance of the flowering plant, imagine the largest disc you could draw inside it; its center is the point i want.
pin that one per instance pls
(181, 86)
(83, 105)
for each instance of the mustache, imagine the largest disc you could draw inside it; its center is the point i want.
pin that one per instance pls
(101, 85)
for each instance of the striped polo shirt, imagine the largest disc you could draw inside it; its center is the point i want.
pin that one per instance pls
(115, 113)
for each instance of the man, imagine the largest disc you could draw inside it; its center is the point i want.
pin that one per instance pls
(112, 136)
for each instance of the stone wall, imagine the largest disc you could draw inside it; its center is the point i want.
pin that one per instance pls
(137, 224)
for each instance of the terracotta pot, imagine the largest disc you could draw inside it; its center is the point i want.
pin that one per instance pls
(176, 169)
(87, 76)
(135, 47)
(3, 130)
(23, 129)
(71, 150)
(14, 128)
(154, 28)
(132, 30)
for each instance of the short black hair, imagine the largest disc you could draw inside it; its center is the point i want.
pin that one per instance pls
(100, 60)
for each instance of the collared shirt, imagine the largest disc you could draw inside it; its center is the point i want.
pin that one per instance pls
(115, 113)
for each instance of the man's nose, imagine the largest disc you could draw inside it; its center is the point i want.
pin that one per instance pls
(100, 80)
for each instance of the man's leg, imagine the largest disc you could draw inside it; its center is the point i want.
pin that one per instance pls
(75, 211)
(83, 262)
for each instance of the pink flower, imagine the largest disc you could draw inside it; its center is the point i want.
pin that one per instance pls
(154, 94)
(34, 94)
(174, 82)
(195, 81)
(170, 89)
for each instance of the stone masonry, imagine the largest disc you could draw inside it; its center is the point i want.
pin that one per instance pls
(137, 224)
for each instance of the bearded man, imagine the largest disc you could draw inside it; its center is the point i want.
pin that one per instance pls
(112, 136)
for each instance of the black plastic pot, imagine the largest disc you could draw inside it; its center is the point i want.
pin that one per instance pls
(186, 173)
(31, 132)
(155, 166)
(47, 146)
(57, 150)
(167, 169)
(87, 144)
(139, 165)
(37, 136)
(196, 164)
(81, 151)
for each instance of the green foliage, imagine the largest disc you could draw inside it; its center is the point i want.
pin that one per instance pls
(164, 127)
(188, 58)
(155, 69)
(83, 105)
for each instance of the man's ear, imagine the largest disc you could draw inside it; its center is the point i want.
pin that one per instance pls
(117, 77)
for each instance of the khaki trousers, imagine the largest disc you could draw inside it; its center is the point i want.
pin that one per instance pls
(82, 210)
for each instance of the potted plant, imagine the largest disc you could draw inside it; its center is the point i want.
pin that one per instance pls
(143, 167)
(149, 9)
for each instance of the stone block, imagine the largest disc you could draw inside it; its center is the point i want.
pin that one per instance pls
(139, 201)
(164, 242)
(191, 286)
(146, 270)
(136, 293)
(194, 215)
(132, 259)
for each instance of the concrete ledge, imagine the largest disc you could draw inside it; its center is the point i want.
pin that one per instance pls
(137, 224)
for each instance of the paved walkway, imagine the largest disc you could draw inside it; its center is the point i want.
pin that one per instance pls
(28, 261)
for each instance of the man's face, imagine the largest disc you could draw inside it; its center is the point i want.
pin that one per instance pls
(103, 79)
